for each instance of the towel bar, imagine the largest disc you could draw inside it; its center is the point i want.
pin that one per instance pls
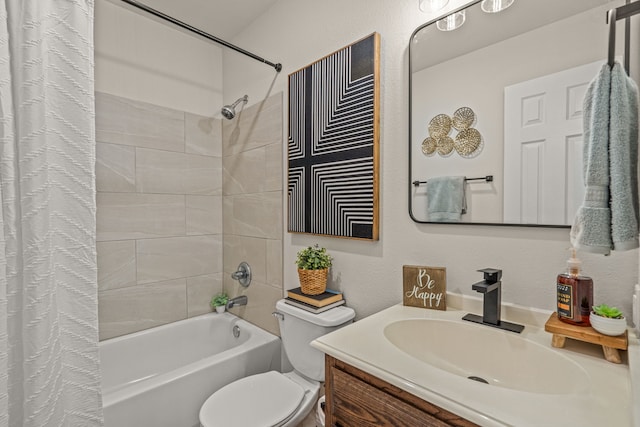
(488, 178)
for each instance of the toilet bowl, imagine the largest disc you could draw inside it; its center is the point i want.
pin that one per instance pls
(275, 399)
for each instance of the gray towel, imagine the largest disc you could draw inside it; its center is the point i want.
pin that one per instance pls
(591, 230)
(609, 216)
(445, 198)
(623, 160)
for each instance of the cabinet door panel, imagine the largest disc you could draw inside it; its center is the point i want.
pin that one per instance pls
(356, 403)
(355, 398)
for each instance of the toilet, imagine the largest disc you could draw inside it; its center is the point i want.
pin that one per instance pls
(275, 399)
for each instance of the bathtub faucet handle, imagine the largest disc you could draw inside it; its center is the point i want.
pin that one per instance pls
(243, 274)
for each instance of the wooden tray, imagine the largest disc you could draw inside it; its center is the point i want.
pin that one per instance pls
(610, 345)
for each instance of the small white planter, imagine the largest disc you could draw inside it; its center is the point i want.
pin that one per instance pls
(220, 309)
(608, 326)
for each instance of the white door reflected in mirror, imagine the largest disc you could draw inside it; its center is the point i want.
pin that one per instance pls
(543, 173)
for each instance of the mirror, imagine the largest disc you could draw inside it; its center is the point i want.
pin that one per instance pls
(498, 101)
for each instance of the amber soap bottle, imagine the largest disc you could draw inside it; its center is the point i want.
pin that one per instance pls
(575, 294)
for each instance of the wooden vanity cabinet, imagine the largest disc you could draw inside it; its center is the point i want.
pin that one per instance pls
(357, 399)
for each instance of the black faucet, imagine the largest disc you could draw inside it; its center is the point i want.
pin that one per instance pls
(491, 289)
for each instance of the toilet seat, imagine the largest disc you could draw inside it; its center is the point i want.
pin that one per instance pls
(268, 399)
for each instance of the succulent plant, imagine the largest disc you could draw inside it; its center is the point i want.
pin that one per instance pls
(606, 311)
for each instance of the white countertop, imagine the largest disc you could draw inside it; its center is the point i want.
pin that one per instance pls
(606, 401)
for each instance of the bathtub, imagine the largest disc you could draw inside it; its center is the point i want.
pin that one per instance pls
(161, 376)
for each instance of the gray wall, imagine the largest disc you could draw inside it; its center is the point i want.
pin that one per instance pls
(160, 206)
(252, 193)
(159, 214)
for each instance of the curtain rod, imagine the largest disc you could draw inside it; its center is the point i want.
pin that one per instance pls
(158, 14)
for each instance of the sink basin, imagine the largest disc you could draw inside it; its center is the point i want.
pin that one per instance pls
(481, 353)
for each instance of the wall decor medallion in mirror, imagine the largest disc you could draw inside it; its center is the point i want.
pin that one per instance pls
(520, 75)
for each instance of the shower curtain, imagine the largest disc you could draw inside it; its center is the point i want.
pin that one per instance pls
(49, 371)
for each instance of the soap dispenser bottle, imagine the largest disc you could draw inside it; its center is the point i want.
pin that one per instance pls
(575, 294)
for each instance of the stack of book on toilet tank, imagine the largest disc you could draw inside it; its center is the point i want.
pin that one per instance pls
(314, 303)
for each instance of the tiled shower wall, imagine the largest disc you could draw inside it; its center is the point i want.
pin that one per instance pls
(253, 200)
(160, 205)
(159, 214)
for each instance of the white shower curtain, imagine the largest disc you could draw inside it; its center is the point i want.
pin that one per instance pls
(49, 370)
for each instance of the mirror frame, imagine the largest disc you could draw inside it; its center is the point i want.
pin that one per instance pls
(410, 122)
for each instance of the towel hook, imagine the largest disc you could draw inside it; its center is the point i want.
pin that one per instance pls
(611, 16)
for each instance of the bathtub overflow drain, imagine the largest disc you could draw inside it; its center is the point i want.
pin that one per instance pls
(236, 331)
(480, 380)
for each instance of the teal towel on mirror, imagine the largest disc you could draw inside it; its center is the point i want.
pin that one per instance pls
(445, 198)
(591, 230)
(623, 160)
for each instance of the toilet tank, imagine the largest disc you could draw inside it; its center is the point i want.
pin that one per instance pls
(299, 327)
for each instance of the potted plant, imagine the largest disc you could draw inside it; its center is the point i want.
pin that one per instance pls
(219, 302)
(607, 320)
(313, 267)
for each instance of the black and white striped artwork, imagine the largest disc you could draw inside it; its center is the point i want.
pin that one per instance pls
(333, 144)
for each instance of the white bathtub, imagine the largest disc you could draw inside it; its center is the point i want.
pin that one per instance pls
(161, 376)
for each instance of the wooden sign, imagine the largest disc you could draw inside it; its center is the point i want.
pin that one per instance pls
(424, 287)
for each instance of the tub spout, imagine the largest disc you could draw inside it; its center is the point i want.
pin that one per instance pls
(241, 300)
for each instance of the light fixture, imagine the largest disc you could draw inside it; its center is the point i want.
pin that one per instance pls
(431, 5)
(495, 6)
(451, 22)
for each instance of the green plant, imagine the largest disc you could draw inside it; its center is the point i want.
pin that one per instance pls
(219, 299)
(313, 258)
(606, 311)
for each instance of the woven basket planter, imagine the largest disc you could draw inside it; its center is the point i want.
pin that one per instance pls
(313, 282)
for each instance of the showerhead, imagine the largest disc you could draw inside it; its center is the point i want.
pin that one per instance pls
(229, 111)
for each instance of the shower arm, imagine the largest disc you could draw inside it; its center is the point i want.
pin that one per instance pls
(183, 25)
(243, 99)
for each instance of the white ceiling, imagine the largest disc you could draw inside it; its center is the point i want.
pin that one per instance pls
(223, 19)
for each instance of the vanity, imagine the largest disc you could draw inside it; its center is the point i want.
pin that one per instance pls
(407, 366)
(355, 397)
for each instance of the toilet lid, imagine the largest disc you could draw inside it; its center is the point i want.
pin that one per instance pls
(267, 399)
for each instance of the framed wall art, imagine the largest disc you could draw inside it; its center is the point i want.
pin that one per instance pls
(333, 143)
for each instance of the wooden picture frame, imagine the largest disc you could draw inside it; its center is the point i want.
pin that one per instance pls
(333, 143)
(424, 287)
